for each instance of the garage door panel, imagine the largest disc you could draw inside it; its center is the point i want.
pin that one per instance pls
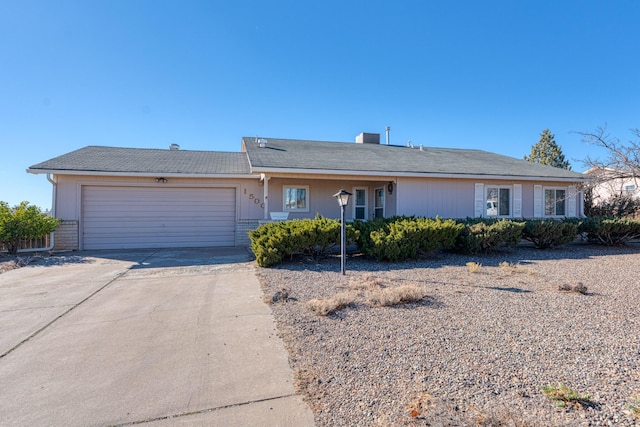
(141, 217)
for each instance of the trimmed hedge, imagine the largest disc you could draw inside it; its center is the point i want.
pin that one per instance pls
(486, 235)
(276, 240)
(545, 233)
(610, 231)
(401, 238)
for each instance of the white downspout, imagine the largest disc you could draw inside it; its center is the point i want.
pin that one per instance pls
(53, 210)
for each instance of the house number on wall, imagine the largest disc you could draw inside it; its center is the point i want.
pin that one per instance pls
(254, 198)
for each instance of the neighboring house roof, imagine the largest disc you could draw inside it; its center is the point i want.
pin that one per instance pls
(116, 160)
(377, 159)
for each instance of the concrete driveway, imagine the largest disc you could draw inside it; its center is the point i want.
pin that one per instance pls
(149, 337)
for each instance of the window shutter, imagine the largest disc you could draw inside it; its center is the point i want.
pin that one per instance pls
(537, 201)
(571, 201)
(517, 200)
(479, 206)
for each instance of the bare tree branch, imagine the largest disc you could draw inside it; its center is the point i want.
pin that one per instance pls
(622, 160)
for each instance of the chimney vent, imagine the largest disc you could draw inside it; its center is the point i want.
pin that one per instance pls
(368, 138)
(174, 147)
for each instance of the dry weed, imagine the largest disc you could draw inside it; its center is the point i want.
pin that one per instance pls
(399, 295)
(473, 267)
(634, 407)
(326, 306)
(366, 282)
(509, 268)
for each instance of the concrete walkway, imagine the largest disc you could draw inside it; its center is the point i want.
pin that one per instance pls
(149, 337)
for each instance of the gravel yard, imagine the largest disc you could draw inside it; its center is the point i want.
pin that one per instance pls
(480, 346)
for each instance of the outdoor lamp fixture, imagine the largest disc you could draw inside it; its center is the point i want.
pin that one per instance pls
(162, 180)
(390, 187)
(343, 200)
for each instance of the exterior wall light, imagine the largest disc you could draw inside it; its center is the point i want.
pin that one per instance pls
(162, 180)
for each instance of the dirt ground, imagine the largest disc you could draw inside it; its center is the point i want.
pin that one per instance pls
(11, 262)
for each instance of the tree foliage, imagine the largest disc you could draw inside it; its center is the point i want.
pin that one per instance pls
(23, 222)
(547, 152)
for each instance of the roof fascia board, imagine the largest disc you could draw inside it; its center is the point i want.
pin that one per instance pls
(144, 174)
(273, 171)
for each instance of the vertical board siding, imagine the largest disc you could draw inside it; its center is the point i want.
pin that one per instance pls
(144, 217)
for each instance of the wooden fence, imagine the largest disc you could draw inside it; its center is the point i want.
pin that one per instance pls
(32, 244)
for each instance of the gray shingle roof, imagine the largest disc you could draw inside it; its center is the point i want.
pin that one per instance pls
(144, 160)
(390, 159)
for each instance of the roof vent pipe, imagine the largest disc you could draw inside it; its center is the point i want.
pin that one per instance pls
(387, 129)
(174, 147)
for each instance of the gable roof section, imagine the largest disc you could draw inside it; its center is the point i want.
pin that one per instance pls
(336, 157)
(116, 160)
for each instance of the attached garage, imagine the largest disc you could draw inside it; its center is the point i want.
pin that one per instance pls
(120, 217)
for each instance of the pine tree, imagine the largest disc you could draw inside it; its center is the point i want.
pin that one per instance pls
(547, 152)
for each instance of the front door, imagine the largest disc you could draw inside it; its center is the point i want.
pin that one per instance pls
(378, 204)
(360, 205)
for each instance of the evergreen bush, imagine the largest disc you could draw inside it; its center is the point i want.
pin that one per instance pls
(610, 231)
(486, 235)
(545, 233)
(274, 241)
(401, 238)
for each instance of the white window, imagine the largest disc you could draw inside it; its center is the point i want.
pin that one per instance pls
(629, 190)
(378, 203)
(360, 204)
(498, 201)
(296, 198)
(555, 201)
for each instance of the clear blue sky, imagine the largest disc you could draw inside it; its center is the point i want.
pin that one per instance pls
(470, 74)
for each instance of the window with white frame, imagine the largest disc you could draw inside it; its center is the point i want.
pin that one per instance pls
(360, 204)
(555, 201)
(498, 201)
(296, 198)
(629, 190)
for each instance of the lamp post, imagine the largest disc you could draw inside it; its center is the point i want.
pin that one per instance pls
(343, 199)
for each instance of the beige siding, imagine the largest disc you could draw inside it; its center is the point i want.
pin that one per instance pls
(436, 197)
(70, 190)
(321, 200)
(454, 198)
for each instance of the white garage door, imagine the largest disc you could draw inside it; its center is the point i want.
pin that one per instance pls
(150, 217)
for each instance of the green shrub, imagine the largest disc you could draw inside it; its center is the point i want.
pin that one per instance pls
(402, 238)
(23, 222)
(610, 231)
(545, 233)
(616, 206)
(274, 241)
(485, 235)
